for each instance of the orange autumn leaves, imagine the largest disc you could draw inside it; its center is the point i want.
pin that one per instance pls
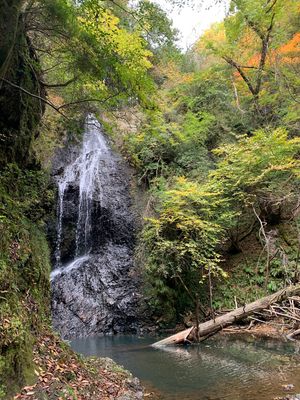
(288, 53)
(283, 50)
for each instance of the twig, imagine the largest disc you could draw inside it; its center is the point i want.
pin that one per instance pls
(57, 85)
(72, 103)
(288, 316)
(290, 336)
(262, 229)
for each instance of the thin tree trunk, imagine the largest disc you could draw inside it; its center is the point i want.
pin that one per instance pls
(197, 308)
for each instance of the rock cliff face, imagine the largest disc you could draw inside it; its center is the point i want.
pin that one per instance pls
(97, 295)
(94, 288)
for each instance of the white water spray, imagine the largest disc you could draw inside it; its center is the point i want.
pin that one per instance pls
(86, 169)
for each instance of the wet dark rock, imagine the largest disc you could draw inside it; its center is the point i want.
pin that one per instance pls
(99, 292)
(135, 390)
(99, 296)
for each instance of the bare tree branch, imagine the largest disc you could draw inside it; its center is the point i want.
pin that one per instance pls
(72, 103)
(34, 95)
(264, 52)
(57, 85)
(234, 64)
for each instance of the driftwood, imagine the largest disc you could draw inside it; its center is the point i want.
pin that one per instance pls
(291, 336)
(209, 328)
(178, 338)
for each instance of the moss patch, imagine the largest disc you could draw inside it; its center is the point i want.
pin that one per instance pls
(24, 274)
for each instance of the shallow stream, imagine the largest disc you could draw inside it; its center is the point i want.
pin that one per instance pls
(228, 367)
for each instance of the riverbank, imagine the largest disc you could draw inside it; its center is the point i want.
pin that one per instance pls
(274, 329)
(62, 374)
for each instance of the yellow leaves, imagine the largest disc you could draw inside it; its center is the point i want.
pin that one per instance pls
(115, 54)
(181, 180)
(216, 34)
(104, 26)
(103, 22)
(266, 160)
(98, 86)
(224, 274)
(140, 137)
(174, 75)
(185, 190)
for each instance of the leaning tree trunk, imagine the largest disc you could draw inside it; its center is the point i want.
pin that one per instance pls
(209, 328)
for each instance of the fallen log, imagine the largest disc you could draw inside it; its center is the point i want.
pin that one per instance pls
(178, 338)
(209, 328)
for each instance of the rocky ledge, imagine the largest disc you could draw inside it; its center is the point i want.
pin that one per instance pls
(96, 295)
(62, 374)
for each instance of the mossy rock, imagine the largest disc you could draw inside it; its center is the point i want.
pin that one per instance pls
(24, 278)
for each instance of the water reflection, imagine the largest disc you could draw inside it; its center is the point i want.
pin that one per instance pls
(224, 368)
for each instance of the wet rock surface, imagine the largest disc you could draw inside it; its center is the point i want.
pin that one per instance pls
(94, 286)
(98, 296)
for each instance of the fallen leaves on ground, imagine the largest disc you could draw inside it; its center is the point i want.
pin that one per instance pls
(63, 375)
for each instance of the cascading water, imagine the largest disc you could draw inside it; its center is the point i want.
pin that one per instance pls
(85, 170)
(93, 285)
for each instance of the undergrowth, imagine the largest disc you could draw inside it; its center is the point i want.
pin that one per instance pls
(24, 272)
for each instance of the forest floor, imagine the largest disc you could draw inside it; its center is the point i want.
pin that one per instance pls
(276, 328)
(61, 374)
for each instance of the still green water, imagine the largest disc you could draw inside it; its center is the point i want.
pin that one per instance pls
(222, 368)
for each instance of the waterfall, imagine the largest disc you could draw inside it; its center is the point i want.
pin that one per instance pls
(85, 170)
(95, 151)
(94, 289)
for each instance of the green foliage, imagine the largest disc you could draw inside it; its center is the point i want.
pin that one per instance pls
(260, 166)
(153, 150)
(226, 120)
(246, 270)
(217, 148)
(258, 40)
(24, 272)
(180, 244)
(158, 30)
(24, 193)
(210, 92)
(167, 148)
(99, 50)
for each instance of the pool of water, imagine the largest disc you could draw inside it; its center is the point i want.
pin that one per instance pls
(222, 368)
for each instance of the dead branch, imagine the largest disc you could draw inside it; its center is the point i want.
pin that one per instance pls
(34, 96)
(291, 336)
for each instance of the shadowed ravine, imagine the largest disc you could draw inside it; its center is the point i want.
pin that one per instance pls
(93, 290)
